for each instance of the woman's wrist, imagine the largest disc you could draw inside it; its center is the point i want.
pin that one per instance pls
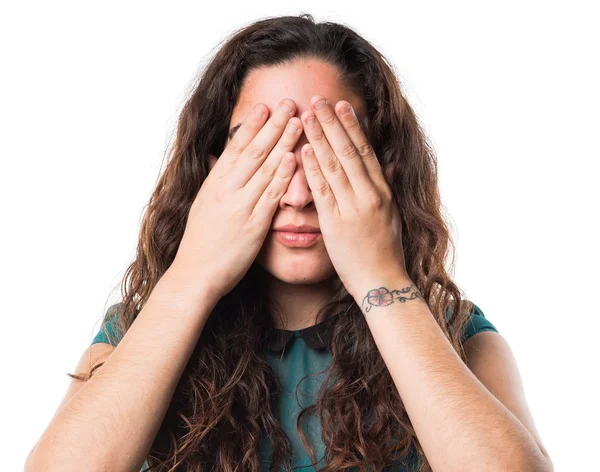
(188, 290)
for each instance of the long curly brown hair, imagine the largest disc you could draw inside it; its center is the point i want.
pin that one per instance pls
(223, 402)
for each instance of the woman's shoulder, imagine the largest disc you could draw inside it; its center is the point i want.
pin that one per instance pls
(477, 323)
(109, 331)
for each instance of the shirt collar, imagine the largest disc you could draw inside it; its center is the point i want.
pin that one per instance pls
(316, 337)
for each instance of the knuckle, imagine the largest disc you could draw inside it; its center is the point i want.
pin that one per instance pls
(365, 149)
(324, 189)
(318, 136)
(312, 169)
(235, 148)
(332, 163)
(268, 169)
(272, 193)
(349, 151)
(375, 201)
(388, 195)
(329, 200)
(255, 152)
(328, 119)
(351, 124)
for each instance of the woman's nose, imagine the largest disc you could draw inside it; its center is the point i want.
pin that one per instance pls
(298, 193)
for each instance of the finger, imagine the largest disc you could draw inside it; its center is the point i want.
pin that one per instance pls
(323, 195)
(269, 199)
(249, 128)
(368, 159)
(261, 146)
(262, 177)
(328, 162)
(342, 146)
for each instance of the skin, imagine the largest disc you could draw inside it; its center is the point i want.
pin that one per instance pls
(436, 386)
(438, 390)
(301, 280)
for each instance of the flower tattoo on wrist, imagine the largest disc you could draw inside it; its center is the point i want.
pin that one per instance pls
(381, 297)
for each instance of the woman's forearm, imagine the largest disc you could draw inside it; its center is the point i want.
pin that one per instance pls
(460, 424)
(112, 421)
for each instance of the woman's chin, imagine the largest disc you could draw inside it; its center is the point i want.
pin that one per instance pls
(297, 269)
(299, 279)
(296, 265)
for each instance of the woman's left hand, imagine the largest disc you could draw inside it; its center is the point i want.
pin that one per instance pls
(359, 219)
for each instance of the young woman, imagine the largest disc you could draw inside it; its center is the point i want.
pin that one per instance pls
(289, 305)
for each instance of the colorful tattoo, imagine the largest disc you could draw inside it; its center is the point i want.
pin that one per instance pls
(383, 297)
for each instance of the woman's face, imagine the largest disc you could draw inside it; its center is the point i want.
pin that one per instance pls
(299, 81)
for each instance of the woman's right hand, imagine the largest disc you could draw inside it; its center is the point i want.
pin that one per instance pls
(233, 210)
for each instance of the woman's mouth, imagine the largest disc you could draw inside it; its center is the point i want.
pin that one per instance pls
(291, 239)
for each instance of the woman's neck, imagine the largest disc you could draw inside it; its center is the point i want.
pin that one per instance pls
(297, 305)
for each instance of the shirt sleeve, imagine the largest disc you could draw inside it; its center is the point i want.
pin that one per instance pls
(477, 323)
(109, 332)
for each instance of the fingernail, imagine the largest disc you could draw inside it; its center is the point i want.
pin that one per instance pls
(286, 108)
(345, 109)
(320, 104)
(258, 110)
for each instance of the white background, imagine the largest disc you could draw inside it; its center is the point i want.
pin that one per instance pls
(508, 93)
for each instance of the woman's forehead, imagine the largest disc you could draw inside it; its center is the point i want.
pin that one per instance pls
(299, 80)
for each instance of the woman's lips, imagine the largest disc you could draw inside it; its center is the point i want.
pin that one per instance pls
(291, 239)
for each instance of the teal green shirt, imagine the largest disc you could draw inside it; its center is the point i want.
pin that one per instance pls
(293, 355)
